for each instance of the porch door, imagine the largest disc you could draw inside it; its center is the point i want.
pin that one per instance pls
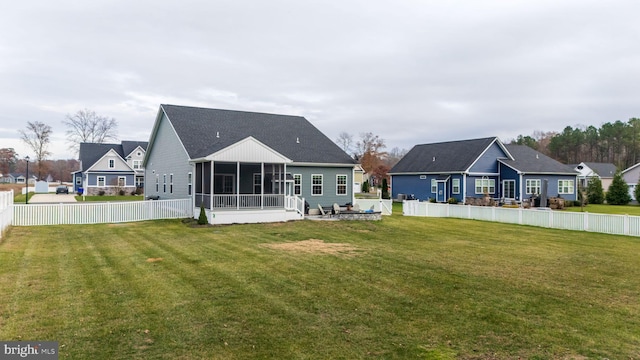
(441, 196)
(509, 189)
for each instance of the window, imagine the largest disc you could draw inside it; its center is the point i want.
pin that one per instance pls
(434, 186)
(565, 187)
(101, 180)
(224, 184)
(532, 186)
(122, 181)
(485, 186)
(157, 183)
(297, 184)
(171, 183)
(137, 164)
(164, 182)
(316, 185)
(341, 184)
(455, 186)
(189, 183)
(78, 180)
(112, 163)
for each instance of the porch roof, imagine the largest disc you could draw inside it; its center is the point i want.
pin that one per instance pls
(248, 150)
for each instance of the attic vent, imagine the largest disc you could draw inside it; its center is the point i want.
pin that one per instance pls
(537, 156)
(297, 140)
(217, 134)
(434, 159)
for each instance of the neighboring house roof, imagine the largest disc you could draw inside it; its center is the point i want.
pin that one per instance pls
(90, 153)
(129, 146)
(206, 131)
(528, 160)
(604, 170)
(444, 157)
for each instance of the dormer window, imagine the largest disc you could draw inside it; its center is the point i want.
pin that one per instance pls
(112, 163)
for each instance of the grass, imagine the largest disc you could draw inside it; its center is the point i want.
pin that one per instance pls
(81, 198)
(608, 209)
(407, 287)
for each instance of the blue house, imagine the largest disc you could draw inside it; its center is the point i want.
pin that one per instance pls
(479, 168)
(110, 168)
(245, 167)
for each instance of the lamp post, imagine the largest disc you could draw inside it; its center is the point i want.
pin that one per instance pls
(26, 199)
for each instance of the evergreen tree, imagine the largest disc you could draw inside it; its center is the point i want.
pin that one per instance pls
(595, 194)
(202, 219)
(385, 189)
(636, 191)
(365, 186)
(618, 193)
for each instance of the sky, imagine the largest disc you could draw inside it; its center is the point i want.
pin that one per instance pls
(409, 71)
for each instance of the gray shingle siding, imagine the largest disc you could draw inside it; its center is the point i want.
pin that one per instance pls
(168, 157)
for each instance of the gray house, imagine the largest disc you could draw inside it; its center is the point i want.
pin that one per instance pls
(244, 167)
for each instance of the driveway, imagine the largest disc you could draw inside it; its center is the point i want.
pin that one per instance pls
(52, 198)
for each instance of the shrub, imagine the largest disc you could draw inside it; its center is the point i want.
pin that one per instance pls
(385, 189)
(365, 186)
(636, 191)
(202, 219)
(101, 193)
(133, 193)
(121, 192)
(432, 200)
(618, 193)
(595, 194)
(452, 200)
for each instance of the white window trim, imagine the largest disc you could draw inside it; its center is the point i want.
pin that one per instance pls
(124, 180)
(170, 183)
(434, 186)
(455, 184)
(190, 183)
(314, 185)
(485, 183)
(104, 181)
(570, 186)
(111, 163)
(346, 191)
(537, 185)
(297, 177)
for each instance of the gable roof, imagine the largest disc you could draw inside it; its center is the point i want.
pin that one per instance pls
(90, 153)
(604, 170)
(528, 160)
(443, 157)
(204, 131)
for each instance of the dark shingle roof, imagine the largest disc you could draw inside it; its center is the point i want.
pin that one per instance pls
(129, 146)
(206, 131)
(604, 170)
(528, 160)
(451, 156)
(92, 152)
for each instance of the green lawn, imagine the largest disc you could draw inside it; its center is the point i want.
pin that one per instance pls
(405, 287)
(608, 209)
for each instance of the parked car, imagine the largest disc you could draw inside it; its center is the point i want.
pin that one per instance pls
(62, 190)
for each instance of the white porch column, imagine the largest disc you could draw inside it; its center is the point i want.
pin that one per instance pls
(210, 185)
(262, 185)
(238, 185)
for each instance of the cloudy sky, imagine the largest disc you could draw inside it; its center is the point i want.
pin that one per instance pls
(409, 71)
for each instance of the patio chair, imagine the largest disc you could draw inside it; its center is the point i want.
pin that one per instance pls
(336, 208)
(322, 211)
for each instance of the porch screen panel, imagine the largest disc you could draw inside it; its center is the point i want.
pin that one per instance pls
(207, 177)
(198, 178)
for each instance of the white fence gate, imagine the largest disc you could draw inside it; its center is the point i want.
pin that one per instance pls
(382, 205)
(601, 223)
(100, 212)
(6, 210)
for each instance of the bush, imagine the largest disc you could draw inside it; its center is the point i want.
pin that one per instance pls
(618, 193)
(432, 200)
(202, 219)
(595, 194)
(134, 193)
(365, 186)
(101, 193)
(385, 189)
(452, 200)
(122, 192)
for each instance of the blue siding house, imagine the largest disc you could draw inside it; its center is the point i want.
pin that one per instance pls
(478, 168)
(245, 167)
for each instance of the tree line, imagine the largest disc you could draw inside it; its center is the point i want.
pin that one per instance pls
(613, 142)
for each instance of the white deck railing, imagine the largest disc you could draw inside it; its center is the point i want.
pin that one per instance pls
(6, 210)
(103, 212)
(585, 221)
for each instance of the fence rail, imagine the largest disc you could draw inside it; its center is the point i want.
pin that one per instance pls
(601, 223)
(383, 205)
(95, 213)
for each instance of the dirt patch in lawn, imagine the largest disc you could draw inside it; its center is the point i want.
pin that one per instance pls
(316, 246)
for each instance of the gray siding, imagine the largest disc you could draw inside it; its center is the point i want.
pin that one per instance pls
(168, 157)
(329, 196)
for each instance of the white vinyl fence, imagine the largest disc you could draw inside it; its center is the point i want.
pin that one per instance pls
(382, 205)
(6, 210)
(583, 221)
(100, 212)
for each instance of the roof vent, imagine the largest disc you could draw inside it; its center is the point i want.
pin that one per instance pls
(218, 134)
(297, 140)
(537, 156)
(434, 159)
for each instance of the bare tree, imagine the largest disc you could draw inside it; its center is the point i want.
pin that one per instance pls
(37, 136)
(345, 141)
(87, 126)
